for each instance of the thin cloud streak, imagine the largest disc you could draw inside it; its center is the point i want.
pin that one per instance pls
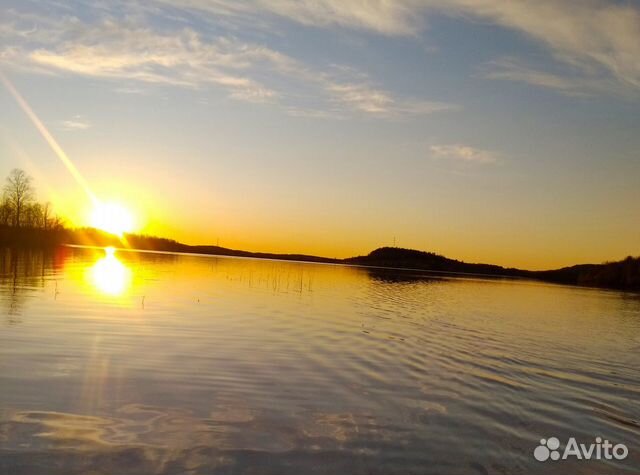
(77, 123)
(375, 102)
(464, 153)
(512, 69)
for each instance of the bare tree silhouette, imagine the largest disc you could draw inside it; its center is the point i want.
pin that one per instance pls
(18, 194)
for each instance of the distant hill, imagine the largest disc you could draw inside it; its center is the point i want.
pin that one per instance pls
(623, 274)
(412, 259)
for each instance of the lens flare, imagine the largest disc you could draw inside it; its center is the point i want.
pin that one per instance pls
(48, 137)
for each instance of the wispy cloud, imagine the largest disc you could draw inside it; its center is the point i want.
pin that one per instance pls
(132, 51)
(567, 83)
(131, 90)
(598, 40)
(367, 99)
(388, 17)
(593, 46)
(76, 123)
(464, 153)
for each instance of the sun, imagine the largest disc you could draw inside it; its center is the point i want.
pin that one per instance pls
(113, 218)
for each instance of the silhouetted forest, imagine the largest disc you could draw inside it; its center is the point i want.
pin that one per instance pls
(26, 223)
(623, 274)
(23, 220)
(18, 207)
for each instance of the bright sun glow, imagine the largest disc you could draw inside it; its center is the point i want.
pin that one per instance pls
(112, 218)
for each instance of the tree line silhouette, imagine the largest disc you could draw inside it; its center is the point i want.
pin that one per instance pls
(624, 274)
(19, 208)
(25, 222)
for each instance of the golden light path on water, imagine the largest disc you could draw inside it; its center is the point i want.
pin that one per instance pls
(110, 276)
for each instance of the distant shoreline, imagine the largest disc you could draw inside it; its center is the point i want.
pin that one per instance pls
(337, 262)
(620, 275)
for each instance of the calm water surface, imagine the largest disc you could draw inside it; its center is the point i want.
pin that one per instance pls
(141, 363)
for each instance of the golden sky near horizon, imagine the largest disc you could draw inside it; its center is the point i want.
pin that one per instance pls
(472, 129)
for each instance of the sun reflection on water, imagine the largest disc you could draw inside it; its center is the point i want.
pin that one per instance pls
(109, 275)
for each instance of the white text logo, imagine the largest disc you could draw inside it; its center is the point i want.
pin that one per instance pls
(549, 449)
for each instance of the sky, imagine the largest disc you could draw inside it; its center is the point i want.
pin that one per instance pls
(484, 130)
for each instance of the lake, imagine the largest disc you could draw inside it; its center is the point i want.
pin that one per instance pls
(146, 363)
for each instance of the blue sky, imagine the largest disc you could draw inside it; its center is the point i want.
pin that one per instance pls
(486, 130)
